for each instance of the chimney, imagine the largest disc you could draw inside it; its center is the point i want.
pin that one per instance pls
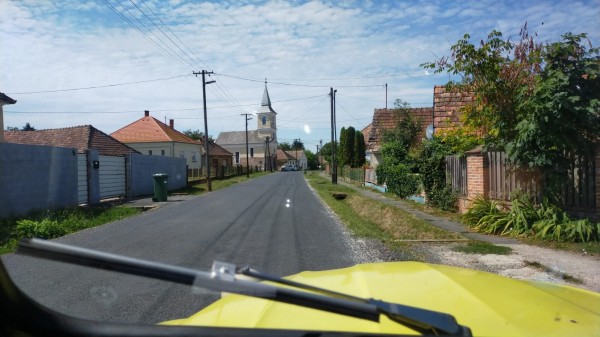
(146, 113)
(172, 124)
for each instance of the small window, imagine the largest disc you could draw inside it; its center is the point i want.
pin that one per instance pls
(251, 152)
(162, 152)
(149, 152)
(237, 157)
(194, 158)
(181, 154)
(264, 120)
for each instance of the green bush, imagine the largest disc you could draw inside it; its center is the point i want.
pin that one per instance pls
(401, 181)
(523, 218)
(443, 198)
(45, 229)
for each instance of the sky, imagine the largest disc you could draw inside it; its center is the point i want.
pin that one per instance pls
(103, 62)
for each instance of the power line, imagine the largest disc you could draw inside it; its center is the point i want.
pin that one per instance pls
(98, 86)
(299, 85)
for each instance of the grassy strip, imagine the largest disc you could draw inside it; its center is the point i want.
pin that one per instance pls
(482, 247)
(201, 188)
(366, 217)
(52, 224)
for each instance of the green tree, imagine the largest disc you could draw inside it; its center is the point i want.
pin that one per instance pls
(359, 150)
(341, 150)
(285, 146)
(397, 168)
(297, 145)
(196, 135)
(561, 116)
(312, 160)
(27, 127)
(326, 151)
(348, 148)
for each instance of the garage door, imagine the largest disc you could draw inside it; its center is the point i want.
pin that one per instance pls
(112, 177)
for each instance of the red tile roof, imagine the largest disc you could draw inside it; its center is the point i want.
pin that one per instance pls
(216, 150)
(387, 119)
(446, 106)
(150, 130)
(80, 137)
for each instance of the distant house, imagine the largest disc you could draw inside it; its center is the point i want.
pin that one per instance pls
(219, 156)
(262, 142)
(446, 107)
(385, 120)
(82, 138)
(4, 100)
(289, 158)
(152, 137)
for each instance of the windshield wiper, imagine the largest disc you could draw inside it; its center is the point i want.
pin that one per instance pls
(223, 278)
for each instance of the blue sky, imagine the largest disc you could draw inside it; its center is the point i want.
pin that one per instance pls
(302, 47)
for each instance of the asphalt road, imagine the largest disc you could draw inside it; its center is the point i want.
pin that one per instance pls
(251, 223)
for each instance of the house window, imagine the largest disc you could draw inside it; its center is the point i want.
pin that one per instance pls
(251, 152)
(149, 152)
(264, 120)
(194, 158)
(162, 152)
(237, 157)
(181, 154)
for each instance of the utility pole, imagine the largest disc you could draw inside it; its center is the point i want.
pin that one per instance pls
(204, 83)
(333, 166)
(320, 161)
(386, 87)
(247, 159)
(297, 141)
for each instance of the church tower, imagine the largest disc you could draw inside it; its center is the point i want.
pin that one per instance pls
(267, 126)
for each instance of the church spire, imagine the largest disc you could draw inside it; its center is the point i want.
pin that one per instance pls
(266, 99)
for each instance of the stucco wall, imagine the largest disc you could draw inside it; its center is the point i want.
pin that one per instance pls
(36, 177)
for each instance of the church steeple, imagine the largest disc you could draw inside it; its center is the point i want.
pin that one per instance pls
(266, 101)
(266, 120)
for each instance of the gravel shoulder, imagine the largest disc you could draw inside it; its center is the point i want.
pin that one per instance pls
(526, 262)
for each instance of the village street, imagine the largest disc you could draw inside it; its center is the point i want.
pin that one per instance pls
(275, 224)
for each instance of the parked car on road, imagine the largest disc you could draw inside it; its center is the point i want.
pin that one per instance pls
(288, 168)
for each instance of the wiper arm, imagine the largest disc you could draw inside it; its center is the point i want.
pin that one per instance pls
(222, 278)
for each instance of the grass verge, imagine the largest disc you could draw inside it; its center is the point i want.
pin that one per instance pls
(482, 247)
(52, 224)
(366, 217)
(201, 188)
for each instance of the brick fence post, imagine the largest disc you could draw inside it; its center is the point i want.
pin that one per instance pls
(478, 177)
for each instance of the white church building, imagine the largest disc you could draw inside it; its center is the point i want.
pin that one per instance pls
(262, 142)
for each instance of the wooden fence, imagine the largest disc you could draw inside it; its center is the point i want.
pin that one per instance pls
(456, 173)
(502, 179)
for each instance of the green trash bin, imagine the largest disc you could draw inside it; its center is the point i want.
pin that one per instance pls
(160, 186)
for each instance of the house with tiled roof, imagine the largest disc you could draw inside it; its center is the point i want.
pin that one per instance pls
(4, 100)
(262, 142)
(152, 137)
(385, 120)
(82, 138)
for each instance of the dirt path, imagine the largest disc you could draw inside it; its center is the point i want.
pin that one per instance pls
(526, 262)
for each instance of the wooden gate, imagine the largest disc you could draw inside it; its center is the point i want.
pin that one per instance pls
(82, 179)
(113, 178)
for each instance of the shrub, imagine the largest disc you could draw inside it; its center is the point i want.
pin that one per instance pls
(45, 229)
(401, 181)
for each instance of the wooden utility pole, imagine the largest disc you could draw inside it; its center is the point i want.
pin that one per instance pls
(204, 83)
(247, 159)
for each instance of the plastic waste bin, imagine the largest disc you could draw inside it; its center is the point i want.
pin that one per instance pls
(160, 186)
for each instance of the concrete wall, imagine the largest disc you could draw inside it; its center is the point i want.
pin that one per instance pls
(141, 168)
(36, 177)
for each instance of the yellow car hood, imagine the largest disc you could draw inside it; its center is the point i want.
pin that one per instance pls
(491, 305)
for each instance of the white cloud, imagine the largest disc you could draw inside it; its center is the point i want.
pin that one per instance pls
(46, 46)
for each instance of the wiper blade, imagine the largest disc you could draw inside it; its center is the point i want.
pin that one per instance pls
(422, 320)
(223, 278)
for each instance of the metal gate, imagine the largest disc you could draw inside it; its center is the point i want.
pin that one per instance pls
(113, 178)
(82, 179)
